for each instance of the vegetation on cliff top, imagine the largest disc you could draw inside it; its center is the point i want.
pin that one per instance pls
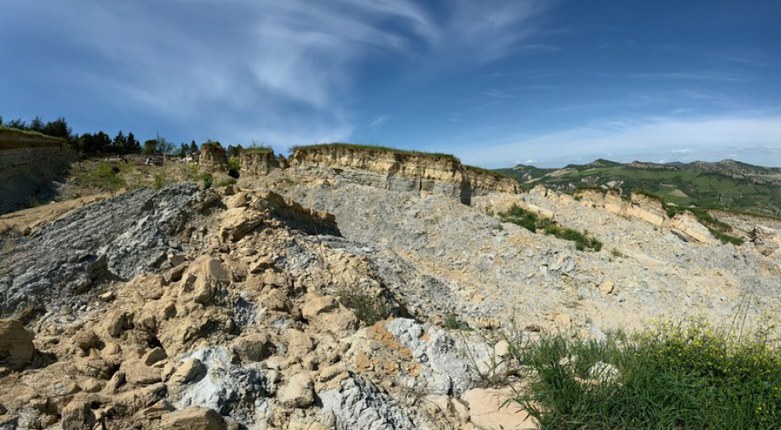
(29, 133)
(370, 148)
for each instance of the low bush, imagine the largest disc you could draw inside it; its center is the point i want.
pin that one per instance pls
(208, 180)
(675, 376)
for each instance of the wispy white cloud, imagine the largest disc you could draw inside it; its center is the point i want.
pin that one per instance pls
(266, 61)
(378, 122)
(705, 75)
(499, 94)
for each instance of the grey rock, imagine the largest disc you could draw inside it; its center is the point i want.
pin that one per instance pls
(447, 363)
(230, 389)
(116, 238)
(359, 404)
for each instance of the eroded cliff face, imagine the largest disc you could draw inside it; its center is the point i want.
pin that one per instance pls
(258, 163)
(213, 158)
(483, 182)
(28, 166)
(402, 171)
(390, 170)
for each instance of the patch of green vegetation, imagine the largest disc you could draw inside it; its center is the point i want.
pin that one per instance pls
(105, 176)
(234, 166)
(30, 133)
(208, 180)
(452, 322)
(360, 147)
(366, 307)
(532, 222)
(675, 376)
(257, 149)
(160, 180)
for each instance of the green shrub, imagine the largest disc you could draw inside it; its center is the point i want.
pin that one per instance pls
(207, 179)
(234, 164)
(366, 307)
(160, 180)
(676, 376)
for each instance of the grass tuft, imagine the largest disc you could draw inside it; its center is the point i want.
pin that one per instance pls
(367, 308)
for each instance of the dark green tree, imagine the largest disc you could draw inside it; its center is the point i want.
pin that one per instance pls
(193, 147)
(119, 145)
(58, 128)
(133, 145)
(36, 124)
(150, 147)
(97, 143)
(18, 124)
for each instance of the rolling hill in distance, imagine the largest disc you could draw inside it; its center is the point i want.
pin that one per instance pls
(727, 184)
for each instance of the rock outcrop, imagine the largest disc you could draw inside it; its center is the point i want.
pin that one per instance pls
(645, 208)
(258, 162)
(29, 166)
(483, 182)
(388, 169)
(213, 158)
(16, 344)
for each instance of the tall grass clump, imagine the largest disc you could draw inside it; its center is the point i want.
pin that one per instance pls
(675, 376)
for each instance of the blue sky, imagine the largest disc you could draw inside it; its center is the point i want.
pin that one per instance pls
(494, 82)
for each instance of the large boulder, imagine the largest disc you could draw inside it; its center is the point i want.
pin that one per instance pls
(194, 418)
(16, 344)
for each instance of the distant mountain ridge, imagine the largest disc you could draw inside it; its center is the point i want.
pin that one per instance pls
(726, 184)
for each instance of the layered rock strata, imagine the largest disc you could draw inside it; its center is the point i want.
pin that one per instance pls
(29, 164)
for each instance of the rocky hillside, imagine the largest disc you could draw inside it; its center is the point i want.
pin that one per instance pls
(352, 289)
(727, 184)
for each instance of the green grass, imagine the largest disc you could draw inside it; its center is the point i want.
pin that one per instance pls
(29, 133)
(676, 376)
(532, 222)
(105, 176)
(361, 147)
